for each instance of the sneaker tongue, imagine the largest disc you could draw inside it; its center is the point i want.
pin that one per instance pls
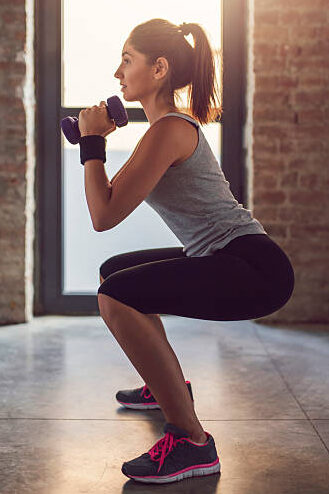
(177, 431)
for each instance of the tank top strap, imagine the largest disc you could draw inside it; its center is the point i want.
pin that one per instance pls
(186, 117)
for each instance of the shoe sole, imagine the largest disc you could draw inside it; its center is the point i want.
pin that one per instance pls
(144, 406)
(141, 406)
(194, 471)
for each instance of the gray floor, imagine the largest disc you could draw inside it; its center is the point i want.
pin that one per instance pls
(262, 392)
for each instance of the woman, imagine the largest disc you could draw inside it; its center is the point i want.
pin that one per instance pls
(228, 268)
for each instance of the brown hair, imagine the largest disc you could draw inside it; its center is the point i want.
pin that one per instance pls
(190, 66)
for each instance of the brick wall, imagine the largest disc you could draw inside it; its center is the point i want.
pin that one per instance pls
(288, 149)
(290, 146)
(17, 160)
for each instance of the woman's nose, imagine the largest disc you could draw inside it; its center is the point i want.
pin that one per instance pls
(116, 74)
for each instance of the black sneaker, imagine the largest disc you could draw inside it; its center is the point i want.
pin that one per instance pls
(174, 457)
(141, 398)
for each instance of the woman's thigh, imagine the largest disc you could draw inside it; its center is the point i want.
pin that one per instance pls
(223, 286)
(135, 258)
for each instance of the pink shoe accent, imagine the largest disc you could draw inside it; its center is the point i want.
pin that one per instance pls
(144, 392)
(146, 388)
(165, 445)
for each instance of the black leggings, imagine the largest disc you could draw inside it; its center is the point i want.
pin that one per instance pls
(249, 278)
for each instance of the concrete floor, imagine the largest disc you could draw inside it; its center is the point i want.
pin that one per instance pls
(262, 392)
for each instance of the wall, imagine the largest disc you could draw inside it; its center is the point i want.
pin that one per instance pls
(289, 66)
(17, 160)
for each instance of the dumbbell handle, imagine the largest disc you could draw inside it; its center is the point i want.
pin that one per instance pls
(115, 109)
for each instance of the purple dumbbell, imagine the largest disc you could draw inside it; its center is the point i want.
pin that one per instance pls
(115, 110)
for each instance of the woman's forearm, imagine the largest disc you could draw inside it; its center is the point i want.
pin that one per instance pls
(98, 191)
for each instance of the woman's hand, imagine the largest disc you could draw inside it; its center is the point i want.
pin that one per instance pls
(96, 121)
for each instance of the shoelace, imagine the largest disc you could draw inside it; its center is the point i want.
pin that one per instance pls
(165, 445)
(144, 392)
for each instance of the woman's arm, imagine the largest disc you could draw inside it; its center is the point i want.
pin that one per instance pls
(127, 162)
(159, 148)
(97, 189)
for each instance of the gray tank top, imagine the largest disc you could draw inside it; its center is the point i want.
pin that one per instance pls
(196, 203)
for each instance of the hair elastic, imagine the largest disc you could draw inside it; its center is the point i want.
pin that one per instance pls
(184, 28)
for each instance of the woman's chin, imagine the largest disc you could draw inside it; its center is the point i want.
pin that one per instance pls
(128, 98)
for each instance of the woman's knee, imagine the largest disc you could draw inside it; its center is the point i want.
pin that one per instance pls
(111, 266)
(108, 267)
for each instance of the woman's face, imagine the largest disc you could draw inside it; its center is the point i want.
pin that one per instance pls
(136, 75)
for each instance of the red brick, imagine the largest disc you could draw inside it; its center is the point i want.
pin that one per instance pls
(319, 49)
(269, 32)
(290, 17)
(289, 179)
(270, 131)
(309, 198)
(265, 144)
(315, 16)
(266, 5)
(288, 50)
(310, 146)
(278, 231)
(276, 83)
(268, 197)
(14, 16)
(307, 63)
(272, 98)
(266, 17)
(309, 180)
(281, 115)
(10, 67)
(296, 163)
(20, 36)
(266, 50)
(19, 167)
(315, 232)
(266, 213)
(287, 146)
(308, 132)
(306, 116)
(302, 32)
(273, 164)
(305, 80)
(266, 181)
(269, 64)
(322, 31)
(312, 98)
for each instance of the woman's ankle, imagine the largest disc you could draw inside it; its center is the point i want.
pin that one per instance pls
(200, 439)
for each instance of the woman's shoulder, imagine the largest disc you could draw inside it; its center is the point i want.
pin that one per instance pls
(188, 137)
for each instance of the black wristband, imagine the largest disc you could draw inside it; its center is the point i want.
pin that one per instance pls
(92, 147)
